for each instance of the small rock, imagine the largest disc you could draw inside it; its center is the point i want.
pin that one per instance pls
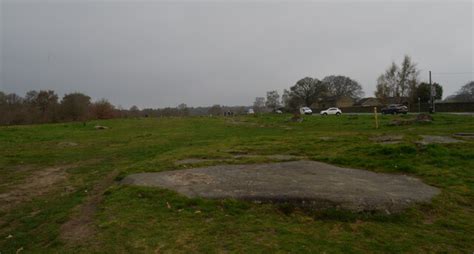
(100, 127)
(9, 236)
(325, 138)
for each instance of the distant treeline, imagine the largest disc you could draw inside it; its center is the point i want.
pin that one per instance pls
(399, 84)
(45, 107)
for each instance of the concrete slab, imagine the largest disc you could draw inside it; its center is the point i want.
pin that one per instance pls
(306, 183)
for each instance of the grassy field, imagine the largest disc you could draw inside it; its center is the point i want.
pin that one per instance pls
(58, 184)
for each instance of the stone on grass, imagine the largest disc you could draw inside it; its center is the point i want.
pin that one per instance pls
(100, 127)
(428, 139)
(308, 184)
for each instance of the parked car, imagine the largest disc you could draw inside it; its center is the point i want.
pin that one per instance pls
(278, 111)
(306, 111)
(331, 111)
(395, 109)
(250, 111)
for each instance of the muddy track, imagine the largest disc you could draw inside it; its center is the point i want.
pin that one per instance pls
(80, 227)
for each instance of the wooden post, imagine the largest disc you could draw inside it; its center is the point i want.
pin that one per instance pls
(376, 119)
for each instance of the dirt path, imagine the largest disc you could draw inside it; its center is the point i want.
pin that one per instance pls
(80, 226)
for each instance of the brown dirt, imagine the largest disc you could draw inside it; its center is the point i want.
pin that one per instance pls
(80, 226)
(37, 184)
(192, 161)
(387, 139)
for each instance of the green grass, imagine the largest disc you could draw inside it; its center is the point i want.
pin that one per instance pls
(137, 219)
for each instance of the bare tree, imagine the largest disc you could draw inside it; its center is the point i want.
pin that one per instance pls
(75, 106)
(13, 109)
(47, 102)
(397, 81)
(102, 109)
(306, 92)
(339, 86)
(285, 99)
(465, 94)
(259, 104)
(215, 110)
(183, 109)
(134, 111)
(273, 100)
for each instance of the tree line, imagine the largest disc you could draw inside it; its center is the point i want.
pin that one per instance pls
(308, 91)
(398, 84)
(45, 106)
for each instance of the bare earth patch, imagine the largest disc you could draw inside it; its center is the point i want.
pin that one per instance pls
(305, 183)
(387, 139)
(67, 144)
(37, 184)
(427, 139)
(80, 227)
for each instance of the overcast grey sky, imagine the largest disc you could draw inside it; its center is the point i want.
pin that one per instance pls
(156, 54)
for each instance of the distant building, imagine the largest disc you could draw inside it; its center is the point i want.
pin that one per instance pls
(333, 101)
(396, 100)
(368, 102)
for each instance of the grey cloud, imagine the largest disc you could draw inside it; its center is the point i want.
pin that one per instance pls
(156, 54)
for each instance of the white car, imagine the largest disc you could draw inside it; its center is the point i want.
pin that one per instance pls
(331, 111)
(250, 111)
(306, 111)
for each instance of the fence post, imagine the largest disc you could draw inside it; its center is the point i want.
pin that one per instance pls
(376, 119)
